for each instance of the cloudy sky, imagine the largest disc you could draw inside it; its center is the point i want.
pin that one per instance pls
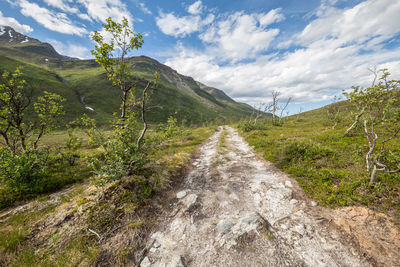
(309, 50)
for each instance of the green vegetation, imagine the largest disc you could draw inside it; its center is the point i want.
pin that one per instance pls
(123, 203)
(84, 84)
(378, 107)
(131, 160)
(328, 164)
(118, 71)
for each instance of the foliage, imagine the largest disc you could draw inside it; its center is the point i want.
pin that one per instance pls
(89, 126)
(378, 109)
(72, 146)
(249, 125)
(334, 113)
(171, 129)
(27, 174)
(16, 99)
(123, 40)
(328, 165)
(20, 170)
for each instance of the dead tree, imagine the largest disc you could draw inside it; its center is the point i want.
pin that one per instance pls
(378, 107)
(334, 113)
(275, 107)
(282, 108)
(299, 113)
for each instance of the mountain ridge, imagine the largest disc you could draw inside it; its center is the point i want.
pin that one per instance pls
(178, 95)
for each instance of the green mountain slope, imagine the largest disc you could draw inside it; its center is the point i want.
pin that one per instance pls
(84, 84)
(328, 163)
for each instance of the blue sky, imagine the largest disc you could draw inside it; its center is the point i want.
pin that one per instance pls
(308, 50)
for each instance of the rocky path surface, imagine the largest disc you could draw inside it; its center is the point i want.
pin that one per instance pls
(236, 209)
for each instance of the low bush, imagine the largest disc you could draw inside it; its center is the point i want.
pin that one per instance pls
(24, 175)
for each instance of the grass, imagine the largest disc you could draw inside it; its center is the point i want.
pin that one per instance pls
(328, 165)
(18, 243)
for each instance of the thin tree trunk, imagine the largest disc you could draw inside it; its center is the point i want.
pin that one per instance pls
(38, 137)
(373, 174)
(123, 108)
(22, 139)
(356, 120)
(143, 110)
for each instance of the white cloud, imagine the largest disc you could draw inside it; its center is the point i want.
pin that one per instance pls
(13, 23)
(241, 36)
(195, 8)
(100, 10)
(61, 4)
(332, 56)
(144, 9)
(54, 21)
(364, 22)
(69, 49)
(84, 17)
(272, 16)
(181, 26)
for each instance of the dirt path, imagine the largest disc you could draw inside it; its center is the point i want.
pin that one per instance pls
(235, 209)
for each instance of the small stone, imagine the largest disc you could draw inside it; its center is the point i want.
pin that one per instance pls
(234, 196)
(176, 261)
(181, 194)
(152, 250)
(288, 184)
(224, 226)
(313, 203)
(189, 202)
(299, 229)
(294, 201)
(145, 263)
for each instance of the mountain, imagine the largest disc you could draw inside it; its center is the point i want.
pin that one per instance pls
(19, 45)
(217, 93)
(85, 85)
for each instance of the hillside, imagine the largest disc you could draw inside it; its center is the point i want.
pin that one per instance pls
(328, 164)
(83, 83)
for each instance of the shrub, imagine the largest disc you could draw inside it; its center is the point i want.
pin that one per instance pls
(121, 155)
(300, 151)
(248, 126)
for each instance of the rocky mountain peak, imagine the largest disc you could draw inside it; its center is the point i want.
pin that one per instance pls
(9, 36)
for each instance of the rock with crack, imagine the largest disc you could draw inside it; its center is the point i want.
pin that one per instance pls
(181, 194)
(189, 202)
(176, 261)
(224, 226)
(251, 223)
(145, 263)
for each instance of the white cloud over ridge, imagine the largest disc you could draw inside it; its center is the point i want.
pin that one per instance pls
(13, 23)
(59, 18)
(333, 52)
(52, 20)
(70, 49)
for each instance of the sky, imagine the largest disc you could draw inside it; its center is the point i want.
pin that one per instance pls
(308, 50)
